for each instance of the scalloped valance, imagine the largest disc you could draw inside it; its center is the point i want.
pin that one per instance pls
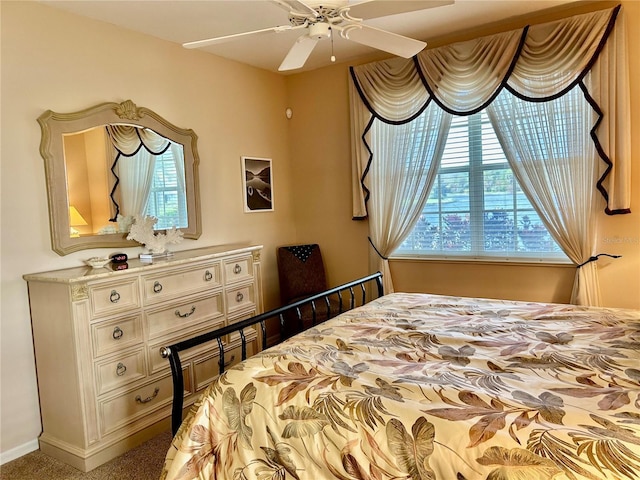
(537, 63)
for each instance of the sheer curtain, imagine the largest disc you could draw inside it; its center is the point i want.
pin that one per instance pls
(134, 163)
(178, 156)
(407, 160)
(551, 154)
(538, 64)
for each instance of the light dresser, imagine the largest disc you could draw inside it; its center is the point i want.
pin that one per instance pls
(103, 386)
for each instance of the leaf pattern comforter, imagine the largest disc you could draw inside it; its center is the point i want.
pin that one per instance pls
(415, 386)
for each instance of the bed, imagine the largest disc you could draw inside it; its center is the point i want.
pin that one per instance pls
(419, 386)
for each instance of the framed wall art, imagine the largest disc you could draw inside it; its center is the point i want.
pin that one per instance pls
(257, 181)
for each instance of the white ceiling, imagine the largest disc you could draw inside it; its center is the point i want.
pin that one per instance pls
(183, 21)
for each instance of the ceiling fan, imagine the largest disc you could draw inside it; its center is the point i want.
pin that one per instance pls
(319, 19)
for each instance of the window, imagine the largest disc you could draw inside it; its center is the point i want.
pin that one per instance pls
(476, 207)
(167, 197)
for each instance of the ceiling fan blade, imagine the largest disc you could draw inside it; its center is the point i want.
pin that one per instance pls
(298, 54)
(373, 9)
(235, 36)
(381, 39)
(297, 7)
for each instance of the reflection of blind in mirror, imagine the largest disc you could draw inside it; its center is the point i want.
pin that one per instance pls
(167, 197)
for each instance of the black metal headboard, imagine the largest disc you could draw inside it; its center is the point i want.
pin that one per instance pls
(319, 305)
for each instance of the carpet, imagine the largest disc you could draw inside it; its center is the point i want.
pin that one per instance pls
(142, 463)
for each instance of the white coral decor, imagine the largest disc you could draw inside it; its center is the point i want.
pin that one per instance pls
(142, 232)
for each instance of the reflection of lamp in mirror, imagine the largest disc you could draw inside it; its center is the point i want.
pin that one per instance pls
(75, 220)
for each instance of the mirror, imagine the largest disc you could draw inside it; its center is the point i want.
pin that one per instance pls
(110, 162)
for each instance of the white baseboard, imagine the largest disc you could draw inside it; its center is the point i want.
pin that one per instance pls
(19, 451)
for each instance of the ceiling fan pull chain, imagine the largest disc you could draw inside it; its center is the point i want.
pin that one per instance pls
(333, 57)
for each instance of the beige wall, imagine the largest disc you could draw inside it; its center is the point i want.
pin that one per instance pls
(515, 281)
(85, 159)
(75, 162)
(53, 60)
(321, 166)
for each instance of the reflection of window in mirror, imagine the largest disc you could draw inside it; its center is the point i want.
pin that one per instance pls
(167, 200)
(119, 171)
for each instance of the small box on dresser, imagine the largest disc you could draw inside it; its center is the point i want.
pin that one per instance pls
(103, 386)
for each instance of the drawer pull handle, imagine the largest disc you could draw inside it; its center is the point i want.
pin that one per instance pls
(185, 315)
(117, 333)
(237, 269)
(114, 297)
(208, 276)
(121, 369)
(139, 399)
(157, 287)
(231, 360)
(239, 297)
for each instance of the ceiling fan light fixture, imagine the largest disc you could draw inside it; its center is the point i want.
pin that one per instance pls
(320, 30)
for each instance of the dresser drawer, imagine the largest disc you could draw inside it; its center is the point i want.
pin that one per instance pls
(180, 282)
(116, 335)
(124, 409)
(120, 371)
(114, 297)
(157, 363)
(238, 269)
(182, 316)
(240, 298)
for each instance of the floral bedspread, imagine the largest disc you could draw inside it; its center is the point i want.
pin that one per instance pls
(414, 386)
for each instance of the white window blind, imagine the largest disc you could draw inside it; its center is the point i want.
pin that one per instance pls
(167, 199)
(476, 208)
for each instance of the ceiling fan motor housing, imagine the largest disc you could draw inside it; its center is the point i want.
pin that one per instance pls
(320, 30)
